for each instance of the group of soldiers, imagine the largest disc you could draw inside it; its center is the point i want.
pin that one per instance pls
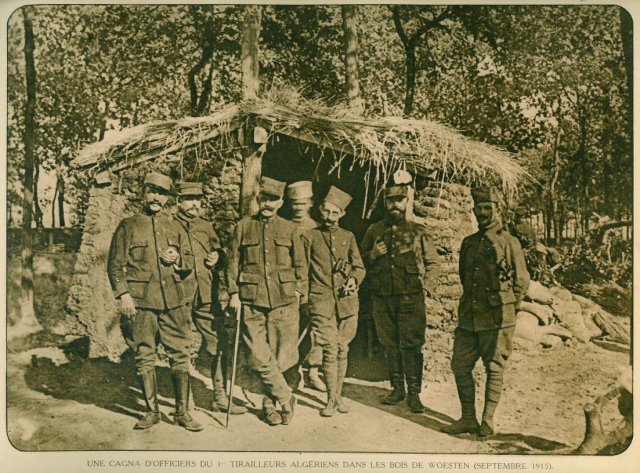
(171, 274)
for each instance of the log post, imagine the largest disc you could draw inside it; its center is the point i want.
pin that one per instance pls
(252, 161)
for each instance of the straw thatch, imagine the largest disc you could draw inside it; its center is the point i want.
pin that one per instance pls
(381, 145)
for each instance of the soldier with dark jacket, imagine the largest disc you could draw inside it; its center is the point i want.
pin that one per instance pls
(266, 279)
(204, 254)
(335, 274)
(146, 274)
(402, 268)
(494, 280)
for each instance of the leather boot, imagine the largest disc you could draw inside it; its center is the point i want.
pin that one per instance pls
(467, 395)
(181, 385)
(396, 377)
(330, 370)
(150, 392)
(288, 409)
(413, 363)
(270, 414)
(342, 372)
(314, 380)
(220, 398)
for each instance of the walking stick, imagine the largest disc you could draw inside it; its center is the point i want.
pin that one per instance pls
(233, 367)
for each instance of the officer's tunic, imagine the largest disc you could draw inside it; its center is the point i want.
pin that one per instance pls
(201, 239)
(333, 316)
(494, 280)
(399, 280)
(266, 267)
(158, 290)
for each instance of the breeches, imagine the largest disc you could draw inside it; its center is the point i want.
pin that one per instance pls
(271, 336)
(169, 327)
(333, 335)
(400, 320)
(492, 346)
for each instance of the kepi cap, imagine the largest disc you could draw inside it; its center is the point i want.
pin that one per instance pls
(158, 180)
(396, 190)
(300, 190)
(338, 198)
(485, 194)
(272, 187)
(189, 188)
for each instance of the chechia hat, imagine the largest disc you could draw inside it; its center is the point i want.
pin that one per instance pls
(485, 194)
(338, 198)
(300, 190)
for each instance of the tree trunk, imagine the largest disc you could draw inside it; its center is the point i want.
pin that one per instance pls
(25, 322)
(252, 162)
(553, 197)
(410, 81)
(350, 29)
(61, 219)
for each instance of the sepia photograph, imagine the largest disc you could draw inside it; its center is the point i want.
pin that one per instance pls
(346, 236)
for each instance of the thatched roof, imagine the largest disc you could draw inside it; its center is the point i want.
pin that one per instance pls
(382, 145)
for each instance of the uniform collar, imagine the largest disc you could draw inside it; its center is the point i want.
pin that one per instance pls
(492, 229)
(329, 230)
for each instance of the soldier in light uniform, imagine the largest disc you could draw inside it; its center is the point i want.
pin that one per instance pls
(145, 269)
(494, 280)
(266, 280)
(335, 274)
(300, 197)
(204, 254)
(403, 268)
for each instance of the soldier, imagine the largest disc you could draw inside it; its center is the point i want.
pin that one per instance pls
(403, 268)
(522, 230)
(494, 280)
(300, 197)
(206, 257)
(266, 280)
(335, 273)
(145, 271)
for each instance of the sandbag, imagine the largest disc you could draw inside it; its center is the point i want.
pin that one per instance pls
(570, 315)
(549, 340)
(558, 331)
(527, 327)
(584, 302)
(543, 312)
(561, 293)
(538, 293)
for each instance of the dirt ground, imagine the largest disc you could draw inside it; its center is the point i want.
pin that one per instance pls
(58, 399)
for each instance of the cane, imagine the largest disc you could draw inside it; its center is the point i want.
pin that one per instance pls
(233, 367)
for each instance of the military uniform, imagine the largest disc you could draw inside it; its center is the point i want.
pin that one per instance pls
(399, 281)
(494, 280)
(266, 268)
(333, 258)
(162, 301)
(311, 352)
(205, 292)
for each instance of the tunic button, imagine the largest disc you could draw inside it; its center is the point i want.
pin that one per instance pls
(267, 264)
(266, 251)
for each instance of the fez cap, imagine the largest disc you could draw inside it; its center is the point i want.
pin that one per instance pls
(189, 188)
(158, 180)
(272, 187)
(338, 198)
(484, 194)
(300, 190)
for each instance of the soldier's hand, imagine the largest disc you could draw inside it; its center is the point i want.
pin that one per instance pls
(379, 249)
(350, 287)
(170, 255)
(235, 304)
(212, 259)
(128, 305)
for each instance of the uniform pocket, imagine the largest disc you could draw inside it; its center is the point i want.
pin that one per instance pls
(248, 286)
(283, 251)
(412, 277)
(287, 283)
(250, 250)
(138, 285)
(138, 251)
